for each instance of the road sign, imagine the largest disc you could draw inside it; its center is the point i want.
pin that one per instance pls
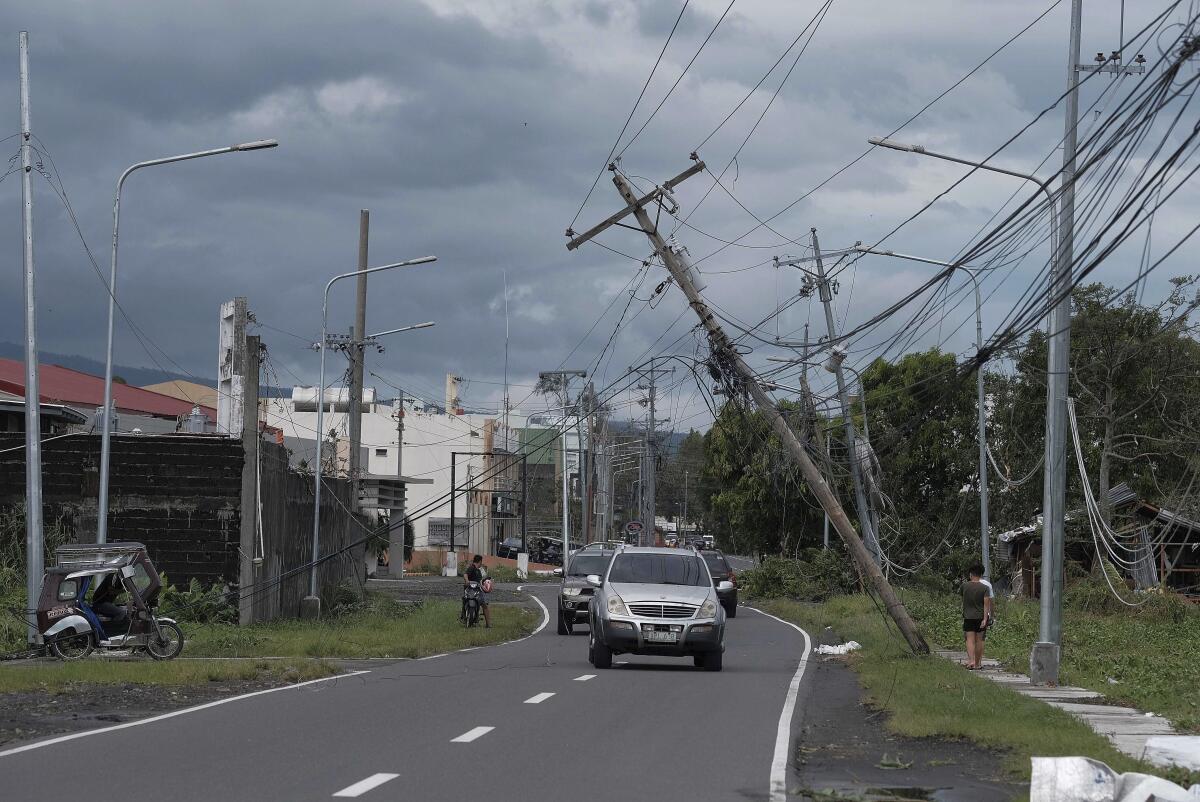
(634, 528)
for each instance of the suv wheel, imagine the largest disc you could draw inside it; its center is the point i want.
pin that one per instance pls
(563, 627)
(710, 661)
(601, 655)
(730, 609)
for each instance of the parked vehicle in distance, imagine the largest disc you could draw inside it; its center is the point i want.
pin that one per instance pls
(574, 592)
(509, 548)
(69, 625)
(656, 601)
(722, 572)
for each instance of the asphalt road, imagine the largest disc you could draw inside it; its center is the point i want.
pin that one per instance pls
(529, 720)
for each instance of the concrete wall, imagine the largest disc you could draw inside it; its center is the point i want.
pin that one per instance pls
(180, 495)
(287, 508)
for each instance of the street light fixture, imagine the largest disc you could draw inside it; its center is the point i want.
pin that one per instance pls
(316, 538)
(565, 377)
(106, 434)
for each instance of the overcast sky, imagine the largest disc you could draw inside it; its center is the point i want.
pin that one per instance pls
(472, 130)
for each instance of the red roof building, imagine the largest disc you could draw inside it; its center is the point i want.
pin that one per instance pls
(61, 385)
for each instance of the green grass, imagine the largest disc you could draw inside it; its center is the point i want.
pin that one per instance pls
(502, 573)
(1149, 652)
(933, 697)
(383, 630)
(63, 677)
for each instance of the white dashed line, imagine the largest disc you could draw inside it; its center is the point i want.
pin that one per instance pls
(362, 786)
(537, 700)
(585, 678)
(471, 735)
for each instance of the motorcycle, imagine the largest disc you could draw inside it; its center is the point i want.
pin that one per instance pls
(72, 629)
(472, 601)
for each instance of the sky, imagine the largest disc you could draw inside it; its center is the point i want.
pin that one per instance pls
(473, 130)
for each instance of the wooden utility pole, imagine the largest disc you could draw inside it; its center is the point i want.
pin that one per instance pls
(251, 446)
(730, 360)
(357, 354)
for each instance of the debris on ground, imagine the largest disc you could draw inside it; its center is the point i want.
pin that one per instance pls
(1081, 779)
(1174, 750)
(844, 648)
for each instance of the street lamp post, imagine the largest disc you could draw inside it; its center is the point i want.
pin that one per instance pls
(106, 434)
(1054, 487)
(312, 605)
(984, 527)
(565, 376)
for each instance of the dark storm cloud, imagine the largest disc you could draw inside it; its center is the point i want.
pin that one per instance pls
(473, 130)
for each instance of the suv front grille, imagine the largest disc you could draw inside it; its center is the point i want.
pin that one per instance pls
(660, 610)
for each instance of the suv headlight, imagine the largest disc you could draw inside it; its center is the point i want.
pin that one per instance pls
(708, 609)
(572, 591)
(616, 605)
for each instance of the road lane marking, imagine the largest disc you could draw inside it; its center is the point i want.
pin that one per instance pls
(783, 733)
(63, 738)
(537, 700)
(471, 735)
(362, 786)
(545, 616)
(585, 678)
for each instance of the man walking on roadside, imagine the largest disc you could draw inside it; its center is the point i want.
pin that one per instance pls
(977, 609)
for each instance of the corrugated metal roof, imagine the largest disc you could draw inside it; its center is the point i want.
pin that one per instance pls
(63, 385)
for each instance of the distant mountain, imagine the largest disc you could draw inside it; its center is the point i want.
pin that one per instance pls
(138, 377)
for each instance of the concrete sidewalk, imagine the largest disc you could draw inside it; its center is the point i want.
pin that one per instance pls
(1126, 727)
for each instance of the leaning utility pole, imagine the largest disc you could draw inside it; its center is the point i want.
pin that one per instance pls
(357, 352)
(728, 358)
(34, 560)
(860, 497)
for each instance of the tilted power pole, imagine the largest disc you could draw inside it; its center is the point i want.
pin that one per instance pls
(730, 360)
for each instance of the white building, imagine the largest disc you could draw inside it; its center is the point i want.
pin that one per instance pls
(485, 514)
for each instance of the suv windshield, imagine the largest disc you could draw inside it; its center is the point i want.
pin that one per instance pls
(584, 564)
(659, 569)
(716, 562)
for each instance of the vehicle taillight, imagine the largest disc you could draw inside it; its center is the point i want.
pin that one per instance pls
(733, 577)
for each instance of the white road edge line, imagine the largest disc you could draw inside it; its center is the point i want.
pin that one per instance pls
(538, 699)
(362, 786)
(541, 626)
(783, 734)
(585, 677)
(71, 737)
(471, 735)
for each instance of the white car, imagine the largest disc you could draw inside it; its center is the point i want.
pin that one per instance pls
(657, 601)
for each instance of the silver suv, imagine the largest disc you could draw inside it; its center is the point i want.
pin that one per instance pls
(656, 601)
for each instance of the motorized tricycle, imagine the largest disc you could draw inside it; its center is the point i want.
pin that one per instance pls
(72, 626)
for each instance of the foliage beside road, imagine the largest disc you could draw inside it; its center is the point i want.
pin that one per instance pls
(933, 697)
(1142, 657)
(379, 628)
(56, 677)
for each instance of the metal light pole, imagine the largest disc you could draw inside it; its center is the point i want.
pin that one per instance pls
(34, 559)
(106, 435)
(1045, 655)
(565, 376)
(316, 537)
(984, 527)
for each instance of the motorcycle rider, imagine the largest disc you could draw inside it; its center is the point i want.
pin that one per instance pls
(477, 573)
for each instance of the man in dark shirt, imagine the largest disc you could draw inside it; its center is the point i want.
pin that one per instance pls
(477, 573)
(977, 609)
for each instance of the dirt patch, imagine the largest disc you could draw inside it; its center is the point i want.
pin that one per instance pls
(843, 751)
(30, 715)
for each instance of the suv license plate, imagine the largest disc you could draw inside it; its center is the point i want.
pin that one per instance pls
(659, 636)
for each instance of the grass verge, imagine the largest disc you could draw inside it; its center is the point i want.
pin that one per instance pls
(62, 677)
(384, 629)
(1148, 654)
(502, 573)
(932, 697)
